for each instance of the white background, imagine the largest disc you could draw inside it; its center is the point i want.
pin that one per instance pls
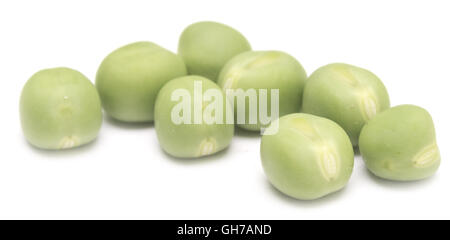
(124, 174)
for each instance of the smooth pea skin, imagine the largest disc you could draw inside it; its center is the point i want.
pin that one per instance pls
(400, 144)
(267, 71)
(346, 94)
(60, 108)
(179, 132)
(206, 46)
(308, 158)
(129, 79)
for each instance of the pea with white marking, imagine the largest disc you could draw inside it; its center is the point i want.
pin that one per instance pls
(400, 144)
(308, 158)
(60, 108)
(346, 94)
(191, 118)
(262, 72)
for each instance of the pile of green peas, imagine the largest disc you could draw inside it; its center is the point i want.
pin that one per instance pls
(323, 117)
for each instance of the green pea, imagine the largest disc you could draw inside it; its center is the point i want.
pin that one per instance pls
(187, 123)
(129, 79)
(60, 108)
(206, 46)
(308, 158)
(346, 94)
(255, 71)
(400, 144)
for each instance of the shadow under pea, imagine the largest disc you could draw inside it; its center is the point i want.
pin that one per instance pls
(127, 125)
(240, 132)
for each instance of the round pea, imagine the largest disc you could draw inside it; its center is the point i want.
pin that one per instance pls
(346, 94)
(191, 118)
(400, 144)
(60, 108)
(129, 79)
(206, 46)
(264, 71)
(308, 157)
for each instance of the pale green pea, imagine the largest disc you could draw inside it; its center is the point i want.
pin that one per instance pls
(129, 79)
(188, 139)
(206, 46)
(308, 158)
(59, 109)
(264, 70)
(346, 94)
(400, 144)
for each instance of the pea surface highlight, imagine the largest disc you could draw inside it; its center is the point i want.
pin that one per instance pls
(191, 118)
(259, 71)
(308, 158)
(129, 79)
(400, 144)
(346, 94)
(206, 46)
(60, 108)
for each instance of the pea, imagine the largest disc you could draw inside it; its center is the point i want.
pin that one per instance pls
(206, 46)
(191, 118)
(400, 144)
(260, 73)
(308, 158)
(346, 94)
(60, 108)
(129, 79)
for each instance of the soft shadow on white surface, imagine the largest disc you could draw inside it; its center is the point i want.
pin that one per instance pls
(126, 125)
(304, 203)
(239, 132)
(193, 161)
(356, 151)
(400, 185)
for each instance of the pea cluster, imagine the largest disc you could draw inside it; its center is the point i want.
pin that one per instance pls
(322, 118)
